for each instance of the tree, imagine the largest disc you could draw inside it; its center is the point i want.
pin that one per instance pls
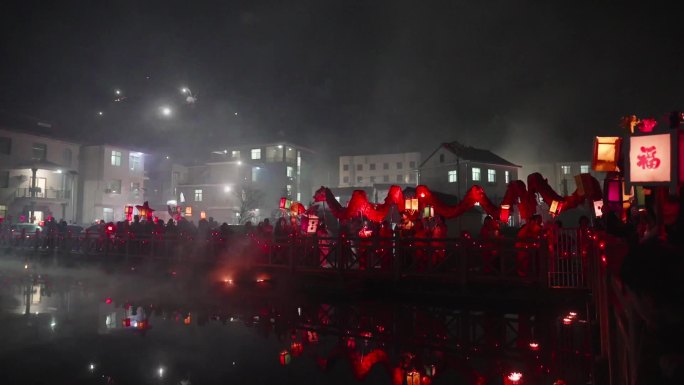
(249, 200)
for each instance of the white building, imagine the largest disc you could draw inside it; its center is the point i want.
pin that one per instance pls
(37, 174)
(111, 178)
(368, 170)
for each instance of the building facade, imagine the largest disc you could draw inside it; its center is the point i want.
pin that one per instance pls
(111, 178)
(38, 177)
(561, 175)
(222, 186)
(368, 170)
(454, 168)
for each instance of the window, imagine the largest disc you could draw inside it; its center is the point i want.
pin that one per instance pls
(114, 186)
(256, 153)
(565, 170)
(39, 151)
(507, 177)
(372, 179)
(399, 165)
(385, 166)
(372, 166)
(453, 176)
(235, 154)
(67, 157)
(255, 173)
(400, 178)
(412, 164)
(3, 211)
(476, 173)
(359, 179)
(359, 167)
(345, 179)
(299, 197)
(288, 188)
(4, 180)
(385, 178)
(135, 189)
(491, 175)
(116, 158)
(135, 162)
(441, 158)
(5, 146)
(290, 171)
(345, 167)
(198, 195)
(584, 169)
(108, 214)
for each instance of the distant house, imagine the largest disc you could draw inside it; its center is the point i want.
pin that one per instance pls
(453, 168)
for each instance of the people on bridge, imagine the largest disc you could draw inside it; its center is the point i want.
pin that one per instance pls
(528, 237)
(489, 236)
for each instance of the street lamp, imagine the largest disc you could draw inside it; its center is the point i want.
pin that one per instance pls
(227, 188)
(166, 111)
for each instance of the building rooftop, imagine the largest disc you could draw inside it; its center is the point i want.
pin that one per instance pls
(474, 154)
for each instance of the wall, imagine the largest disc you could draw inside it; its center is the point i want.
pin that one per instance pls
(407, 173)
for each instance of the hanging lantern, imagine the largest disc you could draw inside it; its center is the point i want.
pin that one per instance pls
(413, 378)
(411, 204)
(555, 207)
(285, 357)
(285, 203)
(128, 211)
(297, 348)
(606, 153)
(428, 212)
(505, 213)
(513, 378)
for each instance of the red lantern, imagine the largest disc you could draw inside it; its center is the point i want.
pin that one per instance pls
(128, 210)
(297, 348)
(187, 319)
(505, 213)
(285, 203)
(126, 322)
(534, 346)
(145, 211)
(285, 358)
(413, 378)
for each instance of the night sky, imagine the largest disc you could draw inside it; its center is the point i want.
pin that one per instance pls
(342, 76)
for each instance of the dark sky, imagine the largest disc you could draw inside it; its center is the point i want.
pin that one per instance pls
(525, 78)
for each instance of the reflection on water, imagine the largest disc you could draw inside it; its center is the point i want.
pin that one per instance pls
(94, 328)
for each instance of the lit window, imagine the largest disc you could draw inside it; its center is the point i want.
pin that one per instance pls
(255, 173)
(39, 151)
(385, 166)
(476, 173)
(491, 175)
(198, 195)
(412, 164)
(565, 170)
(114, 186)
(3, 211)
(584, 169)
(256, 153)
(116, 158)
(399, 165)
(453, 176)
(359, 167)
(290, 171)
(345, 167)
(372, 166)
(235, 154)
(385, 178)
(345, 179)
(299, 197)
(507, 177)
(135, 162)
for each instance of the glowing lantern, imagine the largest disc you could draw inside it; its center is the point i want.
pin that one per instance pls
(411, 204)
(567, 321)
(285, 357)
(647, 124)
(413, 378)
(145, 211)
(128, 211)
(187, 319)
(513, 378)
(606, 153)
(428, 212)
(598, 208)
(297, 348)
(534, 346)
(505, 213)
(351, 343)
(285, 203)
(613, 190)
(108, 301)
(188, 211)
(555, 207)
(651, 159)
(126, 322)
(203, 215)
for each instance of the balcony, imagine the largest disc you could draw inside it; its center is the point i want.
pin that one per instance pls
(25, 192)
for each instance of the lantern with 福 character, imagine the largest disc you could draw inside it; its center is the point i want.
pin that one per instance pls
(606, 153)
(413, 378)
(145, 211)
(655, 160)
(513, 378)
(128, 211)
(505, 213)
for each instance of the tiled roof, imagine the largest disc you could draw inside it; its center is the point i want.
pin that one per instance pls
(476, 154)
